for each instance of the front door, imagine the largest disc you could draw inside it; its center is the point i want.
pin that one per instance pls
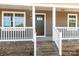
(39, 25)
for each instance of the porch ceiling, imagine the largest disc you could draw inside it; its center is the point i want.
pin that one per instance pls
(21, 7)
(15, 7)
(44, 8)
(68, 9)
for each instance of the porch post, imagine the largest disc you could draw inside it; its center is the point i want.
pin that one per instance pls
(33, 25)
(53, 22)
(54, 16)
(54, 30)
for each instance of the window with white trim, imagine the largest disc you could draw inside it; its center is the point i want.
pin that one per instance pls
(13, 19)
(72, 20)
(19, 20)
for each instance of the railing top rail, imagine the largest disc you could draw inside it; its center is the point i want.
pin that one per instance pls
(18, 27)
(69, 27)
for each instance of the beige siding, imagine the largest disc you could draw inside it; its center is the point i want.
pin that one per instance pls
(0, 18)
(28, 16)
(61, 18)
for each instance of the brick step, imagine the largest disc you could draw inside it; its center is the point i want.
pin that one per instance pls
(68, 53)
(45, 48)
(45, 45)
(15, 53)
(48, 54)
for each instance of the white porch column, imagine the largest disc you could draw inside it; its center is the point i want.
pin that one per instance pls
(54, 16)
(34, 32)
(53, 22)
(54, 31)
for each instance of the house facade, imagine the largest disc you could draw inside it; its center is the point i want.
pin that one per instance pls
(33, 22)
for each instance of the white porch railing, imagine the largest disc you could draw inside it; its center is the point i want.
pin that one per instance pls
(69, 32)
(16, 33)
(57, 38)
(60, 33)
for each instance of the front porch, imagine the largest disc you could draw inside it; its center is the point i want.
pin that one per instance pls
(25, 22)
(36, 23)
(67, 22)
(67, 27)
(28, 23)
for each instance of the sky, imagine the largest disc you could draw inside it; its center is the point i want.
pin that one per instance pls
(19, 2)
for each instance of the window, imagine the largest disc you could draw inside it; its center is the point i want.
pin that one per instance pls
(72, 20)
(8, 20)
(13, 19)
(19, 20)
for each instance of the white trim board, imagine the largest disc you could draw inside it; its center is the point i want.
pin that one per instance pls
(16, 40)
(44, 23)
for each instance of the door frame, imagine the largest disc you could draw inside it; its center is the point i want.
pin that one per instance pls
(44, 24)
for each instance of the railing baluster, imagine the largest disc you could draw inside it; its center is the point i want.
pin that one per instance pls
(24, 33)
(19, 33)
(1, 33)
(27, 34)
(7, 34)
(4, 35)
(13, 33)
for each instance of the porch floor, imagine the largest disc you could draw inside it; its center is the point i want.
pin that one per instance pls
(70, 47)
(48, 38)
(19, 48)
